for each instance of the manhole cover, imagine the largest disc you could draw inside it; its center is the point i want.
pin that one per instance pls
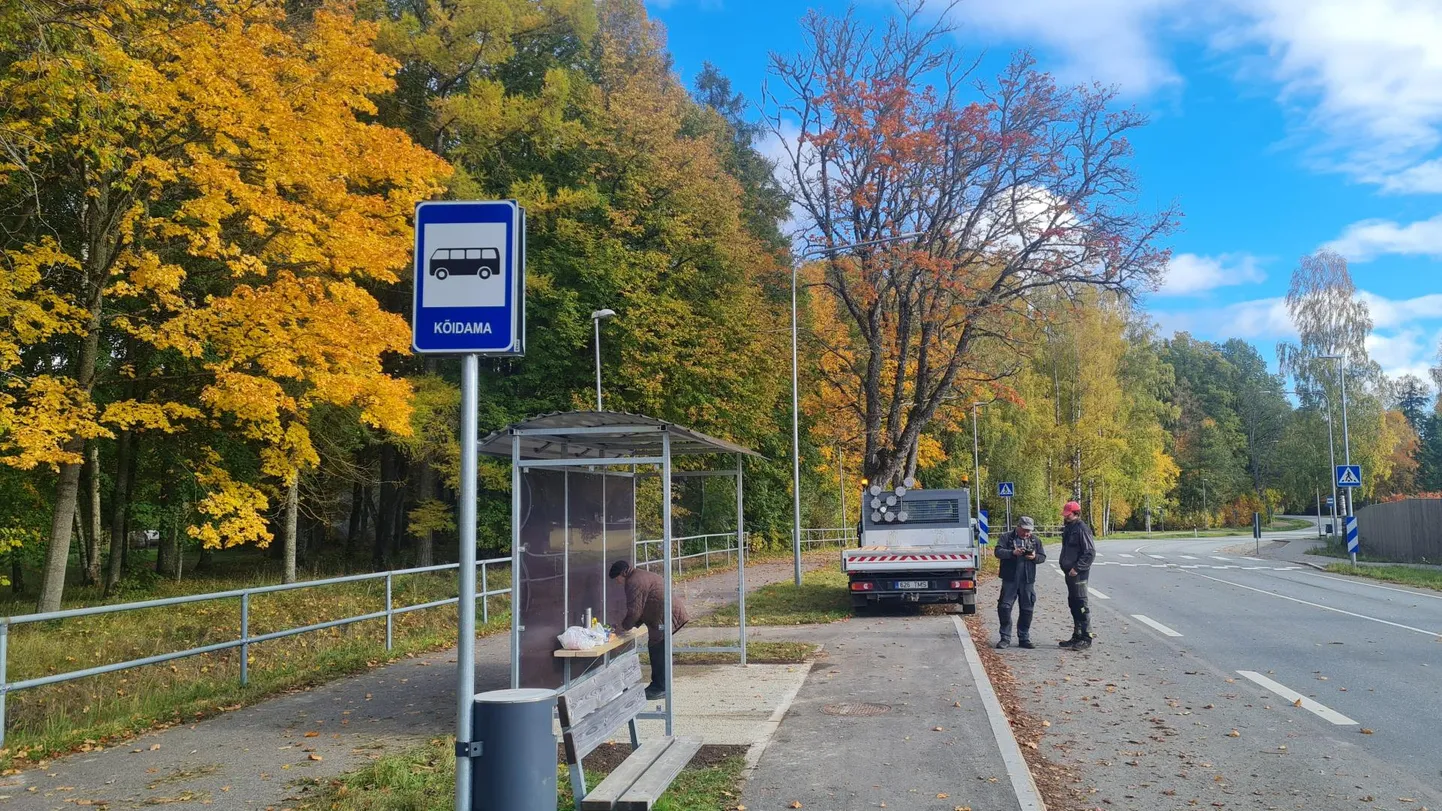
(856, 709)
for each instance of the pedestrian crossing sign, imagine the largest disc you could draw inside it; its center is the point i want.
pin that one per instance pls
(1349, 475)
(1005, 489)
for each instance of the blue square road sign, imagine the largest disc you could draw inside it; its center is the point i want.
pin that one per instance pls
(1005, 489)
(1349, 475)
(469, 278)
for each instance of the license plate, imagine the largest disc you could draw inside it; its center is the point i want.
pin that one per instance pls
(913, 584)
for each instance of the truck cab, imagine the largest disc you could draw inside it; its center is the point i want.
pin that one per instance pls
(914, 546)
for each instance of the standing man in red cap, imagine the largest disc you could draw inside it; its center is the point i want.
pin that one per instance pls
(1077, 552)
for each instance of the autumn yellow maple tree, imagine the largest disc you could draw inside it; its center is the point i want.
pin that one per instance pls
(233, 202)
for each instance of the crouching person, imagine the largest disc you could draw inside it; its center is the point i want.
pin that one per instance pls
(646, 604)
(1019, 551)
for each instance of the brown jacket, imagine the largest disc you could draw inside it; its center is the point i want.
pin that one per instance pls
(646, 602)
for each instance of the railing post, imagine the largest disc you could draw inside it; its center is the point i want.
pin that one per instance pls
(4, 680)
(707, 541)
(244, 638)
(485, 596)
(390, 616)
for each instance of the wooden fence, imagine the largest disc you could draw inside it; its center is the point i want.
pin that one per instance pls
(1408, 531)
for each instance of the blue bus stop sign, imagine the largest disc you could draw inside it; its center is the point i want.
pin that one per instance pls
(469, 278)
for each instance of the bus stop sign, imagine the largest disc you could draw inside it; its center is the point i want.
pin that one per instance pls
(470, 278)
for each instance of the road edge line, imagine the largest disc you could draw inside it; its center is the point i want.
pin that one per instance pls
(770, 725)
(1022, 782)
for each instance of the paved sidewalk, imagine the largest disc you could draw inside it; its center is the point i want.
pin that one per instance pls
(266, 755)
(930, 748)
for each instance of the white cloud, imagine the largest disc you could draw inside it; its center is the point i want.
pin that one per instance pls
(1394, 313)
(1189, 273)
(1364, 75)
(1366, 240)
(1255, 320)
(1371, 69)
(1408, 351)
(1110, 41)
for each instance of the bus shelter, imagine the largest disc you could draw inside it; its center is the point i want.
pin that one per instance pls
(573, 511)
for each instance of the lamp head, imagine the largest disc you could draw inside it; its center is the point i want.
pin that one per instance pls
(599, 314)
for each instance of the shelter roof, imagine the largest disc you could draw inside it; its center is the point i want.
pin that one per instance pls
(602, 435)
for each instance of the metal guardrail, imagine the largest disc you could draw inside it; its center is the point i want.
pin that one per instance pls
(647, 553)
(246, 639)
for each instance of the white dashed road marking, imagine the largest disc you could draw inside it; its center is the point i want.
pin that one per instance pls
(1125, 555)
(1093, 592)
(1325, 713)
(1187, 557)
(1145, 620)
(1215, 557)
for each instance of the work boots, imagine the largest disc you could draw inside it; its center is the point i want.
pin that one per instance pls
(1075, 637)
(1003, 643)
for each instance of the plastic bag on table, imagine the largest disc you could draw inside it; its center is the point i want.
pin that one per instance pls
(578, 638)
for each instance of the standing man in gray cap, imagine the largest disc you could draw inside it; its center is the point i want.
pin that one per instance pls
(1019, 551)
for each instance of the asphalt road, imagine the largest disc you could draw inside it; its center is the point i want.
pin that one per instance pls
(1200, 639)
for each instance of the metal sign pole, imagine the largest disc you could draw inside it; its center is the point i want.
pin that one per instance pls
(466, 643)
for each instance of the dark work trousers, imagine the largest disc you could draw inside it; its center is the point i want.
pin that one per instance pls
(658, 664)
(1010, 591)
(1076, 600)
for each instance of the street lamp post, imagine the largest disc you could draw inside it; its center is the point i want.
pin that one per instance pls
(795, 397)
(596, 318)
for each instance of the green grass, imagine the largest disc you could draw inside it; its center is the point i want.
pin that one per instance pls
(1337, 549)
(87, 713)
(757, 653)
(822, 597)
(1405, 575)
(423, 779)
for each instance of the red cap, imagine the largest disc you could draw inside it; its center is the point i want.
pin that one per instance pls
(1071, 508)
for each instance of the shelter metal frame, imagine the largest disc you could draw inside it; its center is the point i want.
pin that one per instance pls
(602, 439)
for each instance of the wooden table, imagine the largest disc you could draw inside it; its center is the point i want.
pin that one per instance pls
(602, 651)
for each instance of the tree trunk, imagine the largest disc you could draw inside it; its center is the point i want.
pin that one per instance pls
(99, 252)
(426, 540)
(62, 524)
(92, 558)
(126, 547)
(292, 502)
(118, 507)
(82, 549)
(353, 529)
(384, 511)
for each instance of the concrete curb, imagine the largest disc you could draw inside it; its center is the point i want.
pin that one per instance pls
(769, 727)
(1022, 782)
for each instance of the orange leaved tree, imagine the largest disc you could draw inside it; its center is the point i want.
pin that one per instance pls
(1021, 192)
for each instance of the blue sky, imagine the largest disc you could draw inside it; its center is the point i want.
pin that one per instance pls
(1280, 126)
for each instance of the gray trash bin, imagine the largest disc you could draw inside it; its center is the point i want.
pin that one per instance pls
(516, 770)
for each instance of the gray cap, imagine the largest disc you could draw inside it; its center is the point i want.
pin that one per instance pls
(1026, 523)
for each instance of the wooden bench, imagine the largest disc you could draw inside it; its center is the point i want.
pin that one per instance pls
(590, 711)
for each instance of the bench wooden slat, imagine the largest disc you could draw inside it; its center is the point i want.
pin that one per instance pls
(655, 780)
(595, 728)
(593, 693)
(603, 797)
